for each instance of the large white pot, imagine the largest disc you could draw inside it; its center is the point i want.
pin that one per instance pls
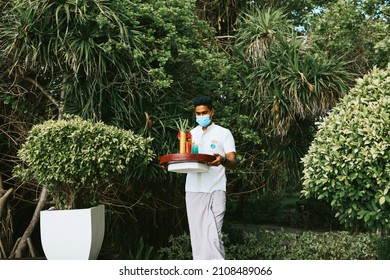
(72, 234)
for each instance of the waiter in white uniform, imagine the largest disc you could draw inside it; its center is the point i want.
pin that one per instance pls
(206, 192)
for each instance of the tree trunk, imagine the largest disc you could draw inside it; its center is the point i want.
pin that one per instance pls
(22, 244)
(3, 201)
(5, 221)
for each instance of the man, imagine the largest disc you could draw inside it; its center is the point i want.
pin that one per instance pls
(206, 192)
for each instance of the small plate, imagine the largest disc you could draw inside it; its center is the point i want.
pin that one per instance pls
(188, 167)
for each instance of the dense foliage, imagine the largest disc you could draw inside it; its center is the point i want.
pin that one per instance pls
(266, 244)
(287, 81)
(348, 163)
(288, 85)
(357, 31)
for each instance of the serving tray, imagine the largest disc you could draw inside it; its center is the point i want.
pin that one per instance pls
(186, 163)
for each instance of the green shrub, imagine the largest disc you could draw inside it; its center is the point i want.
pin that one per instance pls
(260, 245)
(77, 160)
(180, 248)
(281, 245)
(332, 246)
(348, 162)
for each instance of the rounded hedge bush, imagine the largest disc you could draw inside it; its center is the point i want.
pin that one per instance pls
(348, 164)
(77, 160)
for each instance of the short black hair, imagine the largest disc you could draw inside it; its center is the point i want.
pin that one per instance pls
(203, 100)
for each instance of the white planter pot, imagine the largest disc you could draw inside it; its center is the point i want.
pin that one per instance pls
(72, 234)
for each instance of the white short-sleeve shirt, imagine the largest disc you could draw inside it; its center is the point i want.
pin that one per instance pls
(215, 139)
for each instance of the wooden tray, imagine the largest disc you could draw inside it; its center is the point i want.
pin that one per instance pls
(176, 158)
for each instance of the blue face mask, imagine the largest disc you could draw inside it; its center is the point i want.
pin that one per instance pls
(203, 121)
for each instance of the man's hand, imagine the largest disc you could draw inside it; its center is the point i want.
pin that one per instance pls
(228, 161)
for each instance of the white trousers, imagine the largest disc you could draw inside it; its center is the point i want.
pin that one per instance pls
(205, 212)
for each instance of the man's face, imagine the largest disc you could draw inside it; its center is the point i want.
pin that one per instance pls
(203, 110)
